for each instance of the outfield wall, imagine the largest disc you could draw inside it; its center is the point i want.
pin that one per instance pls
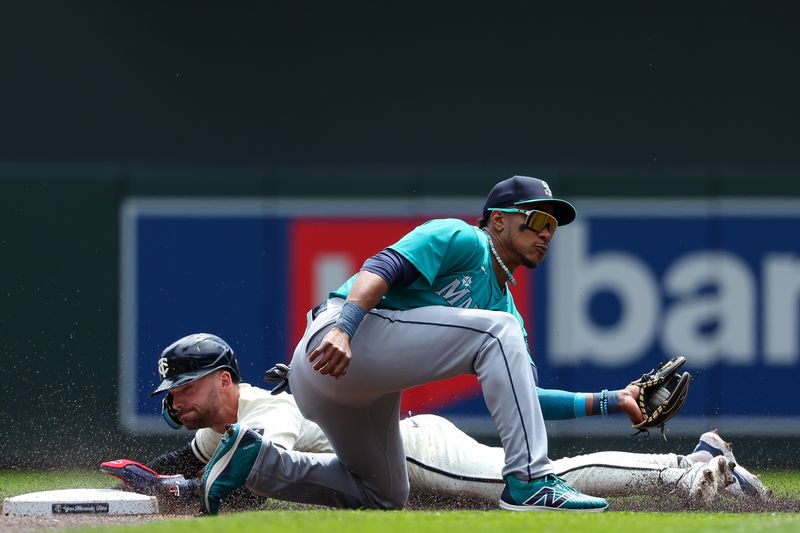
(716, 282)
(627, 285)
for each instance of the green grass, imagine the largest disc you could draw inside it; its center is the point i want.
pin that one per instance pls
(423, 522)
(785, 484)
(14, 482)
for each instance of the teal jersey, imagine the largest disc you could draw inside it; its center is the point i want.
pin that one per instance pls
(455, 266)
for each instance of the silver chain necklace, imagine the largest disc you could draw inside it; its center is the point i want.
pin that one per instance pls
(500, 261)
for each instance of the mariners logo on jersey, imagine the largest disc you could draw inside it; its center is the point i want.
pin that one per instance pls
(457, 292)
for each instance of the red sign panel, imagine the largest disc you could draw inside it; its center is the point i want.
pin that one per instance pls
(327, 251)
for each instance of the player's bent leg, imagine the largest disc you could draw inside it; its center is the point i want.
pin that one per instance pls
(506, 378)
(395, 350)
(504, 372)
(368, 441)
(363, 432)
(244, 459)
(612, 473)
(312, 478)
(443, 460)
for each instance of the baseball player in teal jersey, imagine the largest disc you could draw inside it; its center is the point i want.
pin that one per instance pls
(432, 306)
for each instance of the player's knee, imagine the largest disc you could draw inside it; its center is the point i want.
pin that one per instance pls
(390, 498)
(505, 324)
(398, 498)
(505, 330)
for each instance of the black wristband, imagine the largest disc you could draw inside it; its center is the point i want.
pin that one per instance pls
(350, 318)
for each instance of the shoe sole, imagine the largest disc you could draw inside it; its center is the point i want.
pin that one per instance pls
(715, 445)
(219, 467)
(526, 508)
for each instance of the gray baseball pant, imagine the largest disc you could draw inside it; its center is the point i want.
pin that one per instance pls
(359, 413)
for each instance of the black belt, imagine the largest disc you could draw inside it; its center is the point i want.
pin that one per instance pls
(318, 309)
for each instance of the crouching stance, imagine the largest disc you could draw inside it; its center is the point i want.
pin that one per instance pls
(431, 306)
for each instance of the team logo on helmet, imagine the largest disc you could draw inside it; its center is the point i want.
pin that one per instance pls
(547, 189)
(163, 367)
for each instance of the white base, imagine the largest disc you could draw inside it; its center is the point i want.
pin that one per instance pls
(80, 501)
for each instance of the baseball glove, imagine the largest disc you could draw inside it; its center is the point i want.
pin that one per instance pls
(278, 376)
(662, 393)
(143, 480)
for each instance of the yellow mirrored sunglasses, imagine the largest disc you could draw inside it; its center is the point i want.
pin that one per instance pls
(534, 219)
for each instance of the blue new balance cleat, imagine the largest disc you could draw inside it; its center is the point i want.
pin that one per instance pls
(229, 467)
(548, 493)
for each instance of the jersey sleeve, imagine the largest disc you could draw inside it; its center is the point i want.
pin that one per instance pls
(282, 425)
(439, 246)
(204, 443)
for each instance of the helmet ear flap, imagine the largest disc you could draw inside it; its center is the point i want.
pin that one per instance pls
(169, 414)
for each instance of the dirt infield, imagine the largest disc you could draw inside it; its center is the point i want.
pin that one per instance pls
(418, 502)
(30, 524)
(666, 503)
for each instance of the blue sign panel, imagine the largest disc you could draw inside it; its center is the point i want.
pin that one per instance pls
(186, 274)
(220, 276)
(625, 286)
(631, 284)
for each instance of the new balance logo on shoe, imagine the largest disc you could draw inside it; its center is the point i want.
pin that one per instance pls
(548, 497)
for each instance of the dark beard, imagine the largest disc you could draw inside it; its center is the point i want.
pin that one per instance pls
(528, 263)
(197, 422)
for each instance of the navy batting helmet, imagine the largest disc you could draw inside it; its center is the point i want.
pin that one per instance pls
(192, 357)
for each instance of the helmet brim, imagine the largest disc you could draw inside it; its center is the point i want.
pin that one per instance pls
(183, 379)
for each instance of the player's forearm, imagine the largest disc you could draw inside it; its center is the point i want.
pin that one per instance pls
(367, 290)
(332, 355)
(563, 405)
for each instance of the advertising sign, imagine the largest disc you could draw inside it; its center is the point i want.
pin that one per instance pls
(628, 284)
